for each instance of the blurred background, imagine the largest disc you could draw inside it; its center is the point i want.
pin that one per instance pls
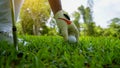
(92, 17)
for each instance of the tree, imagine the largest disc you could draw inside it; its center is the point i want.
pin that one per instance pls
(99, 31)
(81, 9)
(34, 15)
(90, 4)
(114, 27)
(88, 20)
(76, 19)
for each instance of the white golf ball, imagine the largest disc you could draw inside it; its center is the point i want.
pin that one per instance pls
(72, 39)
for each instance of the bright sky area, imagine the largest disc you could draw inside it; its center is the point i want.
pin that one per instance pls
(103, 10)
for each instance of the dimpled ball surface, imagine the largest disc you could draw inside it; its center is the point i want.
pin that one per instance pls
(72, 39)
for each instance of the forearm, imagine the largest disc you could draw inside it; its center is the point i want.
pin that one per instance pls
(55, 5)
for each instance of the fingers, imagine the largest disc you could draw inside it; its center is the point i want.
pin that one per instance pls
(63, 29)
(77, 35)
(72, 30)
(64, 32)
(61, 23)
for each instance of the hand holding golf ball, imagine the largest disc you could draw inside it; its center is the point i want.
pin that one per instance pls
(66, 27)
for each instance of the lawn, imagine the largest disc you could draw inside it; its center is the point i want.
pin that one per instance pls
(53, 52)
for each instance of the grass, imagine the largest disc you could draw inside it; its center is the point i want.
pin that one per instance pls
(53, 52)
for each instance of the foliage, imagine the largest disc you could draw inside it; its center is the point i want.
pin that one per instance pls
(76, 19)
(34, 15)
(53, 52)
(88, 20)
(99, 31)
(114, 28)
(89, 28)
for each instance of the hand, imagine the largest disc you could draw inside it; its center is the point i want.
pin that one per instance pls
(66, 27)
